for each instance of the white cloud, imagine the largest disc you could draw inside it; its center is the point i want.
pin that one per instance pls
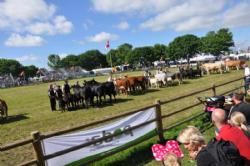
(129, 6)
(16, 40)
(60, 25)
(123, 25)
(238, 15)
(192, 11)
(196, 23)
(26, 10)
(103, 36)
(27, 58)
(32, 16)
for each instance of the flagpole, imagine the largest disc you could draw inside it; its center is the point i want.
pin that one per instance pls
(107, 47)
(111, 60)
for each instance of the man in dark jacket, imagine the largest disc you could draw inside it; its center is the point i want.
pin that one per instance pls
(241, 106)
(52, 97)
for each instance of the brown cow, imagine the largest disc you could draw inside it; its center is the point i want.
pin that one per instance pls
(234, 64)
(122, 85)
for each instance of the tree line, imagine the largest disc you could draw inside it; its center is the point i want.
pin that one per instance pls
(186, 46)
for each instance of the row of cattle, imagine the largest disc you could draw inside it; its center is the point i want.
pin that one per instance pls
(222, 66)
(91, 93)
(94, 93)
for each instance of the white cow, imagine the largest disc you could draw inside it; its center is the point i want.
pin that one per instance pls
(154, 82)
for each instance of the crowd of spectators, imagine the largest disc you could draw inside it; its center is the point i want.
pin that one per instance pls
(230, 145)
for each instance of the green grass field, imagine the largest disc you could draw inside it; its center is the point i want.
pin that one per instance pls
(29, 111)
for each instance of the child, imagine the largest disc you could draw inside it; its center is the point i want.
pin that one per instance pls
(170, 159)
(170, 153)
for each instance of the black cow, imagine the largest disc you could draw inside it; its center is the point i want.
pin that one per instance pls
(109, 88)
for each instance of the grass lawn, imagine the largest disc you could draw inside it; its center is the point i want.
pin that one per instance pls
(29, 110)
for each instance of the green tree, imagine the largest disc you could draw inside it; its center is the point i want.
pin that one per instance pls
(217, 42)
(30, 71)
(160, 51)
(119, 55)
(114, 57)
(8, 66)
(70, 60)
(184, 47)
(54, 61)
(92, 59)
(142, 55)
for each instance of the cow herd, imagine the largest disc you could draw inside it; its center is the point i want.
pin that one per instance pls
(94, 93)
(221, 66)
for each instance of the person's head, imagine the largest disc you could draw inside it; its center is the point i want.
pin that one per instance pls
(245, 65)
(238, 119)
(238, 97)
(219, 117)
(51, 86)
(66, 81)
(170, 159)
(192, 139)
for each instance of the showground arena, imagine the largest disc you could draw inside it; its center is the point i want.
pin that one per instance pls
(29, 111)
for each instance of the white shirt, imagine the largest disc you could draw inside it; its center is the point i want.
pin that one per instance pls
(247, 71)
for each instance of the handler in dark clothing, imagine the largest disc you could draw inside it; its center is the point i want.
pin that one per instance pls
(240, 106)
(59, 96)
(66, 88)
(52, 97)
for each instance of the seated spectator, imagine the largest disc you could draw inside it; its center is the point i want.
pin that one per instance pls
(194, 143)
(240, 105)
(239, 120)
(230, 133)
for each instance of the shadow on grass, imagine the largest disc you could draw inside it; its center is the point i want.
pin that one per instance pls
(118, 100)
(13, 118)
(139, 156)
(139, 93)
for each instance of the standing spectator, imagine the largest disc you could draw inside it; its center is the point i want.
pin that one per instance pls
(194, 143)
(240, 105)
(59, 96)
(239, 120)
(227, 132)
(52, 97)
(247, 77)
(211, 154)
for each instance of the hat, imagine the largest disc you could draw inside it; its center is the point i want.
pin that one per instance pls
(172, 146)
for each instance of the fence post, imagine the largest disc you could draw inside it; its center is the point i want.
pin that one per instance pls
(38, 148)
(214, 89)
(159, 121)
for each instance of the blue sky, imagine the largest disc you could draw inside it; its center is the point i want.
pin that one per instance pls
(30, 30)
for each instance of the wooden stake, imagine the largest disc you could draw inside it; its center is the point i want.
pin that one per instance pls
(38, 148)
(159, 121)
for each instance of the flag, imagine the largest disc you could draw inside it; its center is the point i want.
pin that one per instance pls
(107, 45)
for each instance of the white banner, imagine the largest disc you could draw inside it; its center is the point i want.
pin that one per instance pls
(58, 143)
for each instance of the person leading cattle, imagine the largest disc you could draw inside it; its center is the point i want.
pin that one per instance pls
(52, 97)
(59, 97)
(66, 88)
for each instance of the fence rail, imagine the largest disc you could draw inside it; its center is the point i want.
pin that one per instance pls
(37, 137)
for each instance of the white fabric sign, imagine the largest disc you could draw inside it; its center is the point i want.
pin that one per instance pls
(58, 143)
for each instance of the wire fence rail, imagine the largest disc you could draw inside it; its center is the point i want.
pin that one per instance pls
(36, 137)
